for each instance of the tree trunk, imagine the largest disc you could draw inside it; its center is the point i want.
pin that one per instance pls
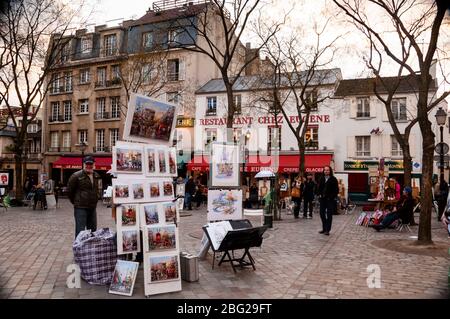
(407, 166)
(19, 177)
(424, 236)
(231, 110)
(301, 150)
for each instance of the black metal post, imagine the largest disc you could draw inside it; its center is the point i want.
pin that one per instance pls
(441, 177)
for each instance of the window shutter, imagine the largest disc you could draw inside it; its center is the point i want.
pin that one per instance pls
(353, 107)
(182, 75)
(375, 141)
(384, 116)
(413, 146)
(386, 149)
(411, 111)
(351, 146)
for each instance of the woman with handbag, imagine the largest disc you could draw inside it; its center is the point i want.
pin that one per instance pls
(296, 196)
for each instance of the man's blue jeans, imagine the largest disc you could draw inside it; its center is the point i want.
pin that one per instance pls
(85, 218)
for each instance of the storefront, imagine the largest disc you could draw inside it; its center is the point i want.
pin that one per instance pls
(358, 176)
(286, 165)
(65, 166)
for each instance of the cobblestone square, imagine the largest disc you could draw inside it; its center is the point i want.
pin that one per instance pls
(293, 262)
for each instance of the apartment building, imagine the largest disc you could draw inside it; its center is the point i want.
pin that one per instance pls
(89, 89)
(32, 158)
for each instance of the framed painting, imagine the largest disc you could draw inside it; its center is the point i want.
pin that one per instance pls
(225, 159)
(128, 241)
(124, 277)
(127, 159)
(224, 205)
(149, 120)
(157, 238)
(164, 268)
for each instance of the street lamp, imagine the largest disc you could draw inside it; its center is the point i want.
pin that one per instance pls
(83, 147)
(441, 117)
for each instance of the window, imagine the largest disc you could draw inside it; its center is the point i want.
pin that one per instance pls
(173, 36)
(110, 44)
(114, 136)
(101, 76)
(85, 76)
(115, 72)
(56, 112)
(312, 138)
(396, 150)
(362, 146)
(83, 137)
(86, 45)
(115, 107)
(173, 97)
(100, 140)
(274, 139)
(237, 134)
(311, 99)
(84, 106)
(211, 136)
(66, 139)
(147, 40)
(211, 105)
(238, 103)
(173, 70)
(68, 82)
(398, 107)
(54, 139)
(67, 111)
(65, 53)
(56, 83)
(32, 128)
(178, 139)
(146, 73)
(101, 108)
(363, 110)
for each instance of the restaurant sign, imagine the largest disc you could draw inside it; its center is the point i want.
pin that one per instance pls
(364, 165)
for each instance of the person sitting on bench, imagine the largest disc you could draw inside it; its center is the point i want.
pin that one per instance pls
(39, 196)
(402, 211)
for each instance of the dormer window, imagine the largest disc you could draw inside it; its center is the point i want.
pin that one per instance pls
(86, 45)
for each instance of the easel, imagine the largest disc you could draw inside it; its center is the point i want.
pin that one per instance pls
(243, 236)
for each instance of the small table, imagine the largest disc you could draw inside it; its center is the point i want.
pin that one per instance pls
(255, 212)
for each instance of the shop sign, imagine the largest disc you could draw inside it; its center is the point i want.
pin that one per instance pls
(265, 120)
(185, 122)
(364, 165)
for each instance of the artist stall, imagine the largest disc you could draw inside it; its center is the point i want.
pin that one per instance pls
(144, 196)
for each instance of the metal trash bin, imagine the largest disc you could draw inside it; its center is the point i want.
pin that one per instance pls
(189, 267)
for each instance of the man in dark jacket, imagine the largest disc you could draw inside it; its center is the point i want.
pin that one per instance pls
(83, 194)
(190, 192)
(309, 188)
(327, 190)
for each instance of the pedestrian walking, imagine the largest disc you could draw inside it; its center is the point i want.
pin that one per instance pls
(441, 196)
(309, 189)
(190, 192)
(327, 190)
(296, 195)
(83, 194)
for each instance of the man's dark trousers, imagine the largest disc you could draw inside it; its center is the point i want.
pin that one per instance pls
(327, 207)
(85, 218)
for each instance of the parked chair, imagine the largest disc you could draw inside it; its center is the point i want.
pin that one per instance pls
(403, 225)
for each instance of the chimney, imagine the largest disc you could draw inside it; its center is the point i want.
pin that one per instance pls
(100, 27)
(433, 69)
(248, 45)
(80, 32)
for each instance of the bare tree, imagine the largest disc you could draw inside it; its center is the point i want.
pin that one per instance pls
(25, 38)
(216, 31)
(144, 73)
(300, 71)
(410, 21)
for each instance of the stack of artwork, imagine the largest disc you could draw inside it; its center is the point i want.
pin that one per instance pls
(144, 193)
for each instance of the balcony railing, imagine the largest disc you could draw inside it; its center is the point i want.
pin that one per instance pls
(211, 112)
(101, 116)
(58, 118)
(312, 145)
(53, 149)
(60, 89)
(173, 76)
(102, 149)
(108, 84)
(59, 149)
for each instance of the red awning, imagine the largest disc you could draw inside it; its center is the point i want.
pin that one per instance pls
(286, 163)
(101, 163)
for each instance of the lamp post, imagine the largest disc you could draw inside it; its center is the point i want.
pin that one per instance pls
(441, 117)
(82, 149)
